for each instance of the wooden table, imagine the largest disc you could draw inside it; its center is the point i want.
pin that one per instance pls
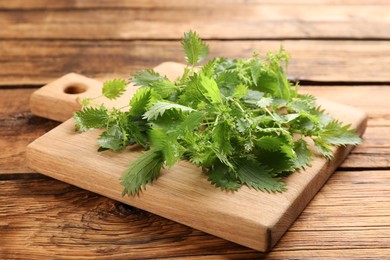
(340, 50)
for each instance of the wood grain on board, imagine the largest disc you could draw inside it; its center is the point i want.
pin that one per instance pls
(25, 62)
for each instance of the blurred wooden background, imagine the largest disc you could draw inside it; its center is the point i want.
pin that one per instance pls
(340, 50)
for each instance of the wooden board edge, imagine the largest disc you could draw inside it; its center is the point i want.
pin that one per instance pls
(300, 203)
(265, 236)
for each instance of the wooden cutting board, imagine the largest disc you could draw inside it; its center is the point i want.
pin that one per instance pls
(247, 217)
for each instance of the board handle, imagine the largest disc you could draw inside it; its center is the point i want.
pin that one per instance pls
(59, 99)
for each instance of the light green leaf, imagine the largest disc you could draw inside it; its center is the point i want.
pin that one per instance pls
(303, 154)
(210, 89)
(160, 107)
(253, 96)
(167, 144)
(240, 91)
(192, 121)
(269, 143)
(192, 95)
(255, 67)
(290, 117)
(284, 91)
(194, 48)
(264, 102)
(86, 101)
(90, 118)
(336, 134)
(227, 82)
(145, 78)
(221, 137)
(164, 88)
(323, 148)
(112, 89)
(209, 69)
(141, 101)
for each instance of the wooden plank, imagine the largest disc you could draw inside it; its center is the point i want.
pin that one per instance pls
(54, 218)
(39, 62)
(257, 223)
(18, 127)
(374, 99)
(103, 4)
(220, 21)
(348, 218)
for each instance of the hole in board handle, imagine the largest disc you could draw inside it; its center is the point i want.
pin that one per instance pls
(75, 89)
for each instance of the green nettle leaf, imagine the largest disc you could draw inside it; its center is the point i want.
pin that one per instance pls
(167, 144)
(210, 89)
(278, 161)
(86, 102)
(257, 176)
(255, 67)
(160, 107)
(195, 49)
(113, 89)
(267, 81)
(221, 137)
(192, 121)
(112, 139)
(264, 102)
(253, 96)
(228, 82)
(145, 169)
(323, 148)
(146, 78)
(135, 131)
(303, 154)
(164, 88)
(334, 133)
(283, 85)
(269, 143)
(141, 101)
(240, 91)
(90, 118)
(209, 68)
(221, 176)
(240, 120)
(290, 117)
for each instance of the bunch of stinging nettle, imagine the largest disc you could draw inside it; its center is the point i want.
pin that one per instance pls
(241, 120)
